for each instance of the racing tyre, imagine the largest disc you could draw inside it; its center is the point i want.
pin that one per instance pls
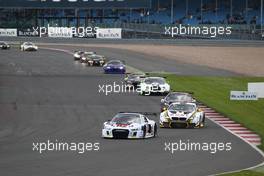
(155, 130)
(201, 125)
(144, 129)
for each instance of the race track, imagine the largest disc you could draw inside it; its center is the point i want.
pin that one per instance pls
(45, 95)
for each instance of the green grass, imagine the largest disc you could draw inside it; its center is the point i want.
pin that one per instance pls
(245, 173)
(215, 93)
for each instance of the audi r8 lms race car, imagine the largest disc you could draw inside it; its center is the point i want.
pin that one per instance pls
(182, 115)
(152, 85)
(129, 126)
(96, 60)
(85, 56)
(4, 45)
(134, 79)
(78, 54)
(28, 46)
(174, 97)
(114, 66)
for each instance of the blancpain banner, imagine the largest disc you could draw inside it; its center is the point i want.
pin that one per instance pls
(60, 32)
(8, 32)
(28, 32)
(243, 95)
(109, 33)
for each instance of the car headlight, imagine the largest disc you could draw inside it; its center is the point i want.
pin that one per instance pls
(107, 127)
(108, 67)
(121, 68)
(164, 109)
(101, 61)
(90, 61)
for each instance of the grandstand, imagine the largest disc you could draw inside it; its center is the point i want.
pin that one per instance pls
(28, 13)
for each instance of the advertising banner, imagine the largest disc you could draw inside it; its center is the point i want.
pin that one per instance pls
(243, 95)
(8, 32)
(59, 32)
(30, 32)
(257, 87)
(109, 33)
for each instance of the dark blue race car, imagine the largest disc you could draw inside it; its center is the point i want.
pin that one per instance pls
(115, 66)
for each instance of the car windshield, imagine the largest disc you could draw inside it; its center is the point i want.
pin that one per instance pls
(134, 76)
(87, 54)
(29, 43)
(155, 80)
(179, 97)
(115, 62)
(181, 107)
(2, 43)
(126, 118)
(96, 57)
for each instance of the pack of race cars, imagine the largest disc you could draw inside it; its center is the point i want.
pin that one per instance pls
(178, 109)
(25, 46)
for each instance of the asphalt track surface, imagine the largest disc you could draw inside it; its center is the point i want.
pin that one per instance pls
(45, 95)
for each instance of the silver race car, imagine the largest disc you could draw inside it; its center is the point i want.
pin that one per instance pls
(78, 54)
(4, 45)
(28, 46)
(182, 115)
(129, 126)
(174, 97)
(154, 85)
(85, 56)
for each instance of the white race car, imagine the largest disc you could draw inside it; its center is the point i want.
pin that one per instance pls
(174, 97)
(129, 126)
(78, 54)
(4, 45)
(182, 115)
(151, 85)
(85, 56)
(28, 46)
